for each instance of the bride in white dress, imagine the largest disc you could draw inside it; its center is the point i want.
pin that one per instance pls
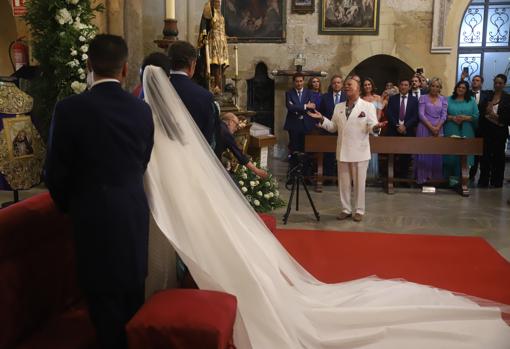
(280, 305)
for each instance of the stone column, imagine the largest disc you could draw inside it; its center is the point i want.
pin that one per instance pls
(439, 22)
(133, 34)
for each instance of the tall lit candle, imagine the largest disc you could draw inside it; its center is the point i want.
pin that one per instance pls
(207, 58)
(236, 61)
(170, 9)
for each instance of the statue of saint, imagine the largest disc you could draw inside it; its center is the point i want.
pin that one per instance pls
(212, 37)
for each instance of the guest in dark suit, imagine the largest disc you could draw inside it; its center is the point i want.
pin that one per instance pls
(480, 97)
(298, 122)
(402, 113)
(329, 100)
(495, 110)
(99, 147)
(198, 100)
(417, 89)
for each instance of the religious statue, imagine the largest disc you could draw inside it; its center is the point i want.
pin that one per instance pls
(212, 43)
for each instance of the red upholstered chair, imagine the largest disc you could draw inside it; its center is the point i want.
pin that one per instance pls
(184, 319)
(40, 303)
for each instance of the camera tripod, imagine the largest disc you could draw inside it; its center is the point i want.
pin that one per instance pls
(296, 177)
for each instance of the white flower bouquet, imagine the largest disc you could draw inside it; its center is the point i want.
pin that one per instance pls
(262, 194)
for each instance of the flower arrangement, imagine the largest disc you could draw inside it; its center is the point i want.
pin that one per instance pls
(60, 33)
(262, 194)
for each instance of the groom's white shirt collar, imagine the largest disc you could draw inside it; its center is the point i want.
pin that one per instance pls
(178, 72)
(97, 82)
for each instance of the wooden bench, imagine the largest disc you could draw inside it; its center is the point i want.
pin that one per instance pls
(321, 144)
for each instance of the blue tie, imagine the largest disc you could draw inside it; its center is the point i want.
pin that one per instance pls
(337, 98)
(299, 96)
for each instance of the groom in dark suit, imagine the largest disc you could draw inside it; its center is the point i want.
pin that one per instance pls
(99, 147)
(198, 100)
(402, 113)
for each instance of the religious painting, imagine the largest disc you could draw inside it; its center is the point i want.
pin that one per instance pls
(302, 6)
(254, 20)
(349, 17)
(19, 137)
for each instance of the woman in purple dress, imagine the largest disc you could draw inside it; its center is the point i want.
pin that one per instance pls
(433, 111)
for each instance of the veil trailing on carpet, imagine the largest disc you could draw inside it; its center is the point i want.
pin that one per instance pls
(228, 248)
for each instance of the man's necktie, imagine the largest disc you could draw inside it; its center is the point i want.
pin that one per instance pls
(337, 98)
(416, 94)
(299, 96)
(402, 112)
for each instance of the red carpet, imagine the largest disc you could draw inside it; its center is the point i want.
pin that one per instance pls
(462, 264)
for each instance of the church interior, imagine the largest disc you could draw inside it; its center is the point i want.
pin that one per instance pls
(450, 235)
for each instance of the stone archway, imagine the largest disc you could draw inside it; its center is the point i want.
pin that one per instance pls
(8, 34)
(383, 68)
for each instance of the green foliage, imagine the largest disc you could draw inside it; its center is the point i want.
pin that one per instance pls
(60, 33)
(262, 194)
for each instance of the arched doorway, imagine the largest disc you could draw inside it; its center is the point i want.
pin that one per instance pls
(7, 35)
(382, 69)
(260, 91)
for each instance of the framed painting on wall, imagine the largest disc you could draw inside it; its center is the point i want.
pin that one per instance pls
(302, 6)
(19, 137)
(254, 21)
(349, 17)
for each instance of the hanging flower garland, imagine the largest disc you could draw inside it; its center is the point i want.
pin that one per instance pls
(60, 34)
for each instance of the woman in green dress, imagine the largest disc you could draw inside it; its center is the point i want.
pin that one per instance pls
(462, 121)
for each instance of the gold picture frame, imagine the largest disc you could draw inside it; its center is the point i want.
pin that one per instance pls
(349, 17)
(19, 137)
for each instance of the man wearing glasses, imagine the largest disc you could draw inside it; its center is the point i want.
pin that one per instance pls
(228, 126)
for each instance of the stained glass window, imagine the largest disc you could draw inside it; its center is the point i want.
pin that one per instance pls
(484, 38)
(471, 31)
(473, 62)
(498, 20)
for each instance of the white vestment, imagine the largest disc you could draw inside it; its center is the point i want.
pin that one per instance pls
(280, 305)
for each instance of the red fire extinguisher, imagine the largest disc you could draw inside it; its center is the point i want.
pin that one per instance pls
(18, 53)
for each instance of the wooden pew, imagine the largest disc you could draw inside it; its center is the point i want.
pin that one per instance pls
(321, 144)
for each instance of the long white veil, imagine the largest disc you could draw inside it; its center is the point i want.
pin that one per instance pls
(280, 305)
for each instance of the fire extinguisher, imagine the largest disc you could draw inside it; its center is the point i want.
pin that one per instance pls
(19, 50)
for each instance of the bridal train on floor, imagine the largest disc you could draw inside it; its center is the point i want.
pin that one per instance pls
(280, 305)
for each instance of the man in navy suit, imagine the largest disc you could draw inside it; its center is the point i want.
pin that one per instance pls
(417, 89)
(402, 113)
(298, 122)
(99, 147)
(198, 100)
(329, 100)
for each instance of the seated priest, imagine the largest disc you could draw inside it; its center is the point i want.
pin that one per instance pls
(228, 126)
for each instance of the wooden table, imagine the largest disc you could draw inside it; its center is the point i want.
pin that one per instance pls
(321, 144)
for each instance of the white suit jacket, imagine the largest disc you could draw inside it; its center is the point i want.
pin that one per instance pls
(353, 143)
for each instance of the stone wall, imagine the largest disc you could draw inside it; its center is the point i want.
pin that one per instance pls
(405, 32)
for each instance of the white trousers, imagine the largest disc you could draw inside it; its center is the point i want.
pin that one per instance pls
(352, 177)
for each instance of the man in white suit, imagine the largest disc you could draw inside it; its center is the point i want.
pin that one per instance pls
(354, 120)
